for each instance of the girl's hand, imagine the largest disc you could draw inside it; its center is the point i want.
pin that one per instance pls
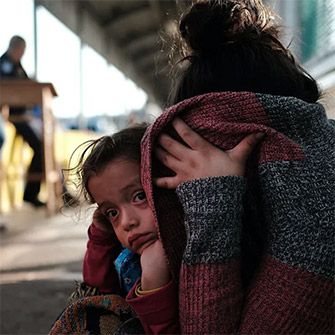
(201, 159)
(101, 222)
(155, 271)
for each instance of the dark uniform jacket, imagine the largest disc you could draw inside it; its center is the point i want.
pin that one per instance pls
(12, 70)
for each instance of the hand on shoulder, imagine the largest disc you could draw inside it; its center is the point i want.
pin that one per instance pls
(199, 158)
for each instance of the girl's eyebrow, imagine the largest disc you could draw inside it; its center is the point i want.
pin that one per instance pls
(134, 183)
(104, 204)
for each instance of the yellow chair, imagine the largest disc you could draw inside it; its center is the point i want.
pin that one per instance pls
(16, 155)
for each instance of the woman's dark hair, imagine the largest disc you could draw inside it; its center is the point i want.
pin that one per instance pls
(233, 45)
(125, 144)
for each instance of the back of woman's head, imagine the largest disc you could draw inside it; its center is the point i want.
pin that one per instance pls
(97, 154)
(233, 45)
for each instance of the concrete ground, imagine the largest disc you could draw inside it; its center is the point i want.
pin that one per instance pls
(40, 260)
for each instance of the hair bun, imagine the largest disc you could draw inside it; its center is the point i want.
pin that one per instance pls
(211, 24)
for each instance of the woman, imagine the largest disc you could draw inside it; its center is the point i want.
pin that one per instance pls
(269, 268)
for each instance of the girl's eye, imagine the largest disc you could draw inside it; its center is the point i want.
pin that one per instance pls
(111, 213)
(140, 196)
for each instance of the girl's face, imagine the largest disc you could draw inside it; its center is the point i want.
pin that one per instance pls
(119, 194)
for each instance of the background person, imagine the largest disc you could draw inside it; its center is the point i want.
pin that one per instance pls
(28, 125)
(2, 140)
(11, 68)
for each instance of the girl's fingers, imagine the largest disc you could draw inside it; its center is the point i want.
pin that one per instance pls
(242, 151)
(189, 136)
(100, 221)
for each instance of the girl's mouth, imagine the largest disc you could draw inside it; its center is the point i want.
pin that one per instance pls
(137, 240)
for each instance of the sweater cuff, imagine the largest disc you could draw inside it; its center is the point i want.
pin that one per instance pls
(99, 236)
(213, 218)
(206, 195)
(155, 308)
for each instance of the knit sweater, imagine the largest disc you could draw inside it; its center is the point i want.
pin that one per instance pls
(258, 261)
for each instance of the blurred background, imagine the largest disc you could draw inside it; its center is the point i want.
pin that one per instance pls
(108, 62)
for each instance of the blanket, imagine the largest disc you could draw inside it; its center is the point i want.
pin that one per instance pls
(97, 314)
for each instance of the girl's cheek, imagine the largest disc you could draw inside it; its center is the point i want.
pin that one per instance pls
(122, 238)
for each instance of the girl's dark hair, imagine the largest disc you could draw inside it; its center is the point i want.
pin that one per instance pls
(233, 45)
(125, 144)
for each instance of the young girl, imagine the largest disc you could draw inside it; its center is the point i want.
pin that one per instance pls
(123, 227)
(110, 177)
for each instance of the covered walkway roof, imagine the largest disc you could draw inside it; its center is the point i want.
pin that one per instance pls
(128, 33)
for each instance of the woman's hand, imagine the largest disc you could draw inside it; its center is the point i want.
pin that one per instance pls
(201, 159)
(155, 270)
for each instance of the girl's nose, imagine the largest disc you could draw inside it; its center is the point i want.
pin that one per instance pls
(129, 219)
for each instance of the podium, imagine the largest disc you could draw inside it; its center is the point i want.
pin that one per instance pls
(28, 93)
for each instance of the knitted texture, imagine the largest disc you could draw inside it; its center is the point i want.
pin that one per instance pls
(221, 240)
(288, 218)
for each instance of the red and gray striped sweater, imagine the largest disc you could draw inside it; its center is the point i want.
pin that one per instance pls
(252, 256)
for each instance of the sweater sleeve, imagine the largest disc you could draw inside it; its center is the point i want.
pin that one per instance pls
(98, 267)
(158, 311)
(293, 291)
(210, 284)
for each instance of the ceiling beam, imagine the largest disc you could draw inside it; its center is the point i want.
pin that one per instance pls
(121, 8)
(146, 41)
(138, 21)
(155, 58)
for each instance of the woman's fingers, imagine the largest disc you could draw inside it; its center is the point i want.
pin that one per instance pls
(173, 147)
(168, 182)
(189, 136)
(167, 159)
(242, 151)
(198, 158)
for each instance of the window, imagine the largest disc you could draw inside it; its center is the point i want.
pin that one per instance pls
(17, 18)
(58, 62)
(86, 84)
(94, 83)
(318, 28)
(106, 91)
